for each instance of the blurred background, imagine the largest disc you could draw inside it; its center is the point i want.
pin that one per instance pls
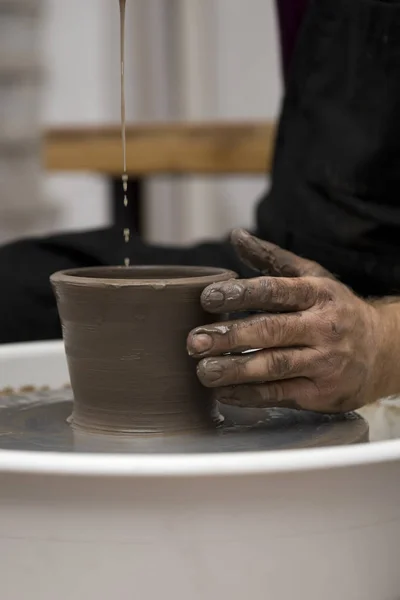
(185, 59)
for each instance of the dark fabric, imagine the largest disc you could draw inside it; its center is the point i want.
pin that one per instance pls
(336, 177)
(336, 182)
(291, 14)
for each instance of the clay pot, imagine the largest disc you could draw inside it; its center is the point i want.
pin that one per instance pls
(125, 331)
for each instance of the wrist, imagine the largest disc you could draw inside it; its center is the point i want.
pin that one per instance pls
(386, 326)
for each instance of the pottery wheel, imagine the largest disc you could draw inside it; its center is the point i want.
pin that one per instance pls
(38, 421)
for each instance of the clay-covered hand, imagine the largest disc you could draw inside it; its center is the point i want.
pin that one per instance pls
(315, 343)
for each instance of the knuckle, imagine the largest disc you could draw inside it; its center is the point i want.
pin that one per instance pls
(268, 329)
(295, 293)
(289, 268)
(233, 337)
(239, 336)
(275, 290)
(302, 292)
(284, 330)
(278, 364)
(277, 392)
(239, 368)
(285, 294)
(327, 290)
(322, 327)
(330, 364)
(308, 291)
(334, 328)
(263, 289)
(329, 325)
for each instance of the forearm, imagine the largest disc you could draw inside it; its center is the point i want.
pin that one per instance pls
(387, 376)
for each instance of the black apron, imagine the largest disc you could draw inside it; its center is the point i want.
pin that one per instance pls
(335, 196)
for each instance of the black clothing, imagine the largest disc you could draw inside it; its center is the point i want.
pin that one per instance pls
(336, 179)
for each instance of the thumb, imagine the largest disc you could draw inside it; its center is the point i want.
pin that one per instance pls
(273, 260)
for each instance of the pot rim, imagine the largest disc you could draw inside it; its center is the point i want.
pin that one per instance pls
(205, 276)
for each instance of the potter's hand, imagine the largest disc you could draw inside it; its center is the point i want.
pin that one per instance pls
(317, 344)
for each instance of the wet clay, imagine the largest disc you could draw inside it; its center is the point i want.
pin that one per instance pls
(125, 331)
(38, 421)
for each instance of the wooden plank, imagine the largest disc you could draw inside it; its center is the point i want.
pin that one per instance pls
(182, 148)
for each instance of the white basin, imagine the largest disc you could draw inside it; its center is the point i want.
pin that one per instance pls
(319, 524)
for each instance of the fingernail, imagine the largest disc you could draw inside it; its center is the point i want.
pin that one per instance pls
(200, 343)
(234, 292)
(212, 297)
(209, 371)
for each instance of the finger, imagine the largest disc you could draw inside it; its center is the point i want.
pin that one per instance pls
(299, 393)
(269, 294)
(260, 331)
(256, 367)
(273, 260)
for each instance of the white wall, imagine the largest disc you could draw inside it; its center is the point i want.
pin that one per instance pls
(76, 37)
(248, 87)
(228, 68)
(195, 59)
